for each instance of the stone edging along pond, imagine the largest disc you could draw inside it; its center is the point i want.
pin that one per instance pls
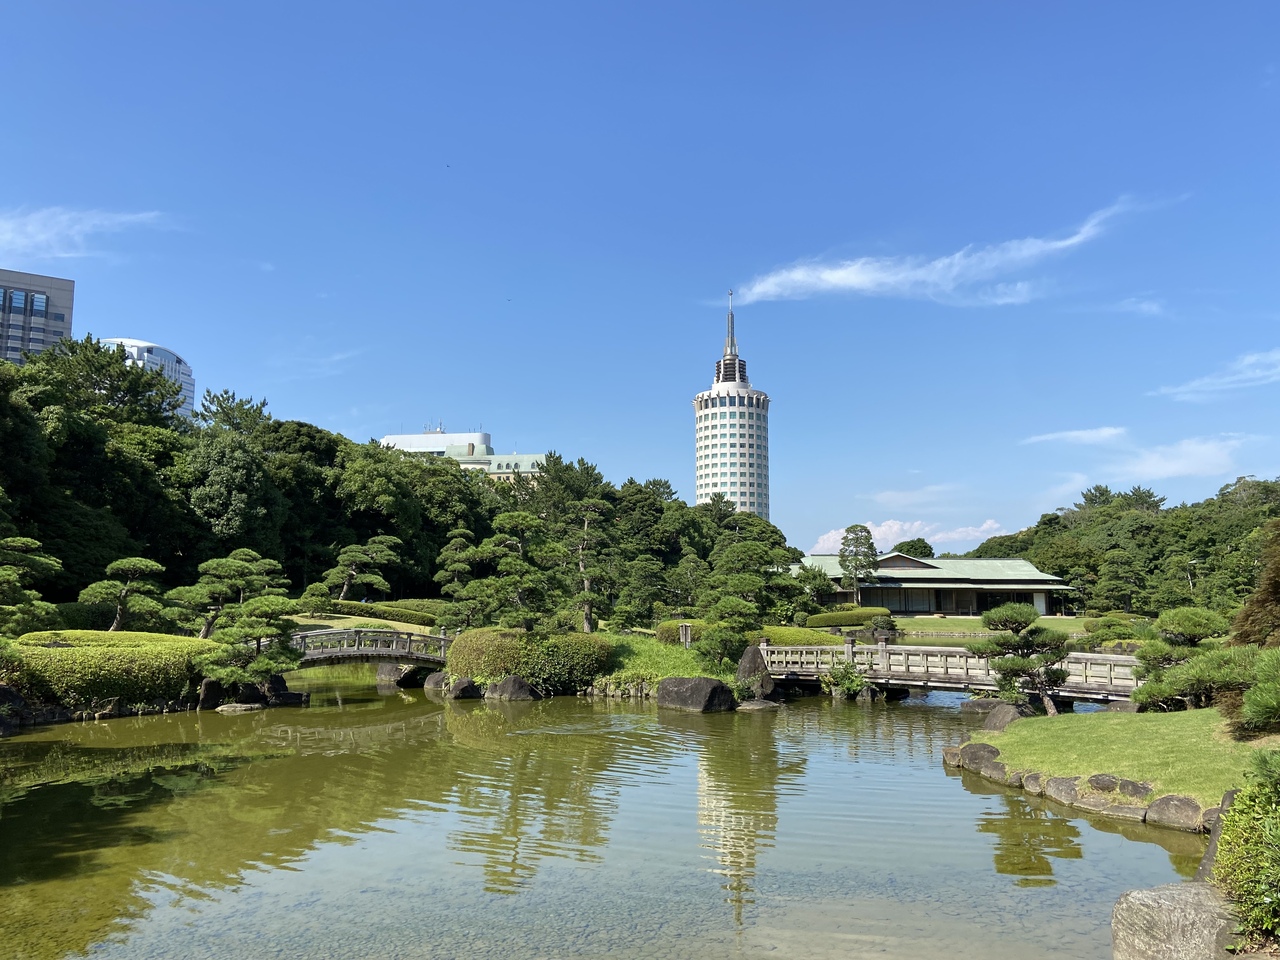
(1102, 793)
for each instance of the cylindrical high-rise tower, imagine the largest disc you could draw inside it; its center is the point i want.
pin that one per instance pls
(732, 434)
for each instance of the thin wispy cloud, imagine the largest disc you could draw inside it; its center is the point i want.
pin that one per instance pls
(973, 275)
(988, 528)
(58, 232)
(897, 499)
(1193, 457)
(1089, 436)
(1145, 306)
(315, 367)
(1250, 370)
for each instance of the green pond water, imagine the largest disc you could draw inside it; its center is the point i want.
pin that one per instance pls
(383, 825)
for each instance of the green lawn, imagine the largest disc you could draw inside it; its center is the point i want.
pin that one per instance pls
(1187, 753)
(642, 657)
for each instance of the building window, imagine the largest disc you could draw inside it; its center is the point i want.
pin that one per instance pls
(38, 302)
(18, 301)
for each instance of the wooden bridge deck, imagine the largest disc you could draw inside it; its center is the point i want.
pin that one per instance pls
(328, 647)
(1090, 676)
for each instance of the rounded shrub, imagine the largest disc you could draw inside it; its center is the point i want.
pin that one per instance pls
(76, 667)
(856, 617)
(567, 662)
(1187, 626)
(386, 611)
(488, 653)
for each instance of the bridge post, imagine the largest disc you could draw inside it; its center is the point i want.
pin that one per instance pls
(848, 648)
(883, 648)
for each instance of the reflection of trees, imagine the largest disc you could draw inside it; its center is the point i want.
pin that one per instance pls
(740, 775)
(528, 790)
(196, 803)
(1028, 839)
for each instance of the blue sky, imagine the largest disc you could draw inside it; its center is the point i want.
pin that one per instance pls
(986, 255)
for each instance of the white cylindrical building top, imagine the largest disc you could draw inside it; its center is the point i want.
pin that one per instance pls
(731, 431)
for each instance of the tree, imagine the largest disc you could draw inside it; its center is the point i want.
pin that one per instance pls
(130, 588)
(1187, 626)
(857, 558)
(815, 586)
(918, 547)
(1026, 658)
(22, 610)
(225, 410)
(1259, 620)
(589, 540)
(363, 564)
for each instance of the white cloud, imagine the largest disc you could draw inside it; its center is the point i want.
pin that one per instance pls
(960, 277)
(898, 499)
(988, 528)
(1091, 435)
(56, 232)
(1193, 457)
(895, 531)
(1250, 370)
(829, 542)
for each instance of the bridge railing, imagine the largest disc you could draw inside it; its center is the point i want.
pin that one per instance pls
(947, 666)
(370, 641)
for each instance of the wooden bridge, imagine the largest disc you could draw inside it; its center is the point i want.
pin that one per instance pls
(1090, 676)
(328, 647)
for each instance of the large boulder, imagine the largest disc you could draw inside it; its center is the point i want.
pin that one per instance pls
(287, 698)
(1181, 813)
(211, 694)
(511, 688)
(436, 681)
(1104, 782)
(754, 672)
(1062, 789)
(980, 705)
(250, 693)
(234, 708)
(1134, 789)
(1205, 870)
(695, 694)
(1179, 921)
(464, 688)
(1005, 714)
(974, 755)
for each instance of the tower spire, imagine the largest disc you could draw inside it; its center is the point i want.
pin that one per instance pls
(730, 341)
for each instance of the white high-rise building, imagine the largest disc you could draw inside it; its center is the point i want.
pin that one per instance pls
(152, 356)
(732, 434)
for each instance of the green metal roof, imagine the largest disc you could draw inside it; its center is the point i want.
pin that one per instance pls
(957, 573)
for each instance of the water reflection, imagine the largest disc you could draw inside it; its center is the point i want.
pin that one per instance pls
(1027, 837)
(641, 830)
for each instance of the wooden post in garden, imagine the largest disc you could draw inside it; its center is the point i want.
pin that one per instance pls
(884, 655)
(686, 634)
(848, 648)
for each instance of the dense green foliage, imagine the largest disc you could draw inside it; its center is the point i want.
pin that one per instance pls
(1128, 551)
(1259, 621)
(1186, 626)
(76, 667)
(562, 663)
(918, 547)
(1248, 861)
(860, 617)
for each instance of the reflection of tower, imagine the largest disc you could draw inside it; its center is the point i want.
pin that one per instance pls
(732, 434)
(733, 831)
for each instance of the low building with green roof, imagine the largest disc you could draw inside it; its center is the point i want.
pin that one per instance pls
(960, 586)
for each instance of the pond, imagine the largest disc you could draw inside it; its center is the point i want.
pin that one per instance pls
(379, 824)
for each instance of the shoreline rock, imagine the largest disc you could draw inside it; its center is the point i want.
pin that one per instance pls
(695, 695)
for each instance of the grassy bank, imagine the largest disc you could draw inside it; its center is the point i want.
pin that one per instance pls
(639, 657)
(1188, 753)
(974, 624)
(337, 621)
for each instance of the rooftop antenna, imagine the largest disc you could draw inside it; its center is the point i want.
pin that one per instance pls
(730, 341)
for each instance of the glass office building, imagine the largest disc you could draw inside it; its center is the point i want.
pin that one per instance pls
(35, 312)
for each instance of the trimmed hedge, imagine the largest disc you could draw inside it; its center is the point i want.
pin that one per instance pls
(387, 611)
(792, 636)
(76, 667)
(847, 618)
(562, 663)
(433, 607)
(669, 630)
